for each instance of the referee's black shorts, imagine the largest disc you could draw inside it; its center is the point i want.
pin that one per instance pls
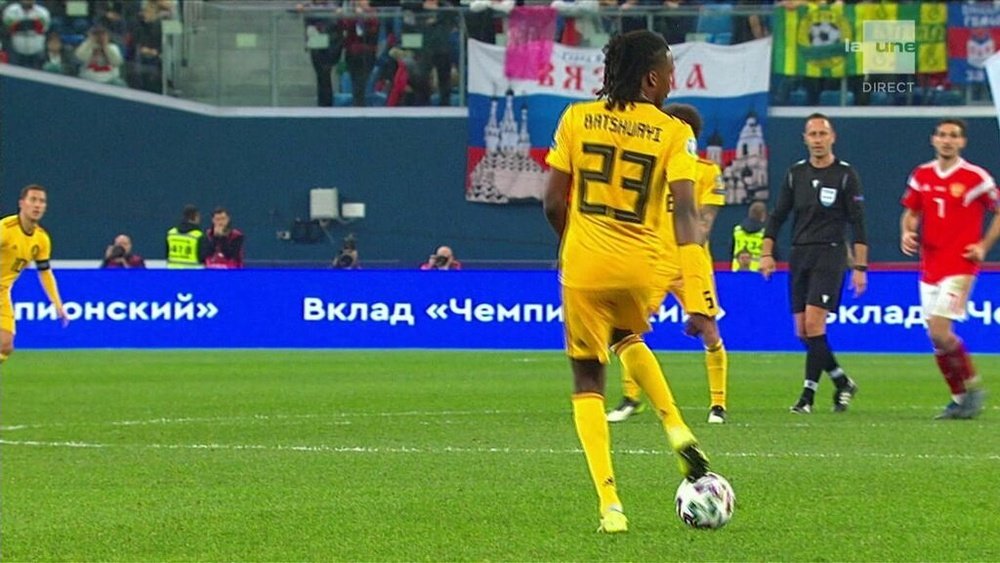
(816, 275)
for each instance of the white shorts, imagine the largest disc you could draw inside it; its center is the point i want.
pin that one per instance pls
(947, 298)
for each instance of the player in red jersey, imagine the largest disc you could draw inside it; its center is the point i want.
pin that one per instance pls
(947, 199)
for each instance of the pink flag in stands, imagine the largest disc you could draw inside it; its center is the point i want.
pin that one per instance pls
(530, 32)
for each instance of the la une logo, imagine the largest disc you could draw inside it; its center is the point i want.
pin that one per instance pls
(881, 46)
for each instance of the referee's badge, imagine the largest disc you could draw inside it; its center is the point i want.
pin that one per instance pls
(827, 196)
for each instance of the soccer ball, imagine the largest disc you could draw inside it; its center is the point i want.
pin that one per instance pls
(824, 34)
(705, 503)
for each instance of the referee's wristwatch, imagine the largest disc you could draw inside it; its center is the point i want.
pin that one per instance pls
(861, 267)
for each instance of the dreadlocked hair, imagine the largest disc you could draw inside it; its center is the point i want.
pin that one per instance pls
(627, 59)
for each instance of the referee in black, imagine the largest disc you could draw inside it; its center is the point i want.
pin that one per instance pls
(825, 195)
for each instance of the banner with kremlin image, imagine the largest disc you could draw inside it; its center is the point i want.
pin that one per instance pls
(511, 121)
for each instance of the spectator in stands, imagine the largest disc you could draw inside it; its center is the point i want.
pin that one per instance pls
(26, 24)
(119, 254)
(101, 59)
(57, 58)
(225, 242)
(483, 19)
(675, 28)
(324, 41)
(148, 41)
(748, 237)
(443, 259)
(347, 258)
(187, 245)
(435, 20)
(115, 16)
(749, 27)
(360, 46)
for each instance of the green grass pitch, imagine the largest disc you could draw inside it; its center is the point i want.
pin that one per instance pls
(434, 456)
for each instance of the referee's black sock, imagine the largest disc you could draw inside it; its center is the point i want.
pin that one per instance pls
(817, 352)
(830, 364)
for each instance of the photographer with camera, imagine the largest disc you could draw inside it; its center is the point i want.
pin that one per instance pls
(101, 60)
(119, 254)
(443, 259)
(347, 259)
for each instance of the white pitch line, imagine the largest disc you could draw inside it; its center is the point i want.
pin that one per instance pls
(347, 415)
(322, 448)
(261, 417)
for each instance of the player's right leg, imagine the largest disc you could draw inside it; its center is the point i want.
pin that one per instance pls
(6, 326)
(631, 402)
(798, 279)
(588, 324)
(826, 281)
(633, 351)
(942, 304)
(701, 303)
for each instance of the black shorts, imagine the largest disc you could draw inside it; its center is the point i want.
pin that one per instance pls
(816, 276)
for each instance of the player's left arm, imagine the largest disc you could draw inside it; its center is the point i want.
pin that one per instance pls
(48, 280)
(977, 251)
(856, 215)
(708, 213)
(556, 200)
(711, 195)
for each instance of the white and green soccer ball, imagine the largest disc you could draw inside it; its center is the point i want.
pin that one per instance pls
(706, 503)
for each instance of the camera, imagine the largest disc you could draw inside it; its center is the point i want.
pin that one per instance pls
(117, 251)
(440, 261)
(347, 258)
(344, 261)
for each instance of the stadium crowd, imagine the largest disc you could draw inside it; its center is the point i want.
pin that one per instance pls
(407, 52)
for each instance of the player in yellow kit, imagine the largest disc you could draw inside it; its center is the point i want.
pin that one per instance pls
(23, 240)
(622, 174)
(697, 294)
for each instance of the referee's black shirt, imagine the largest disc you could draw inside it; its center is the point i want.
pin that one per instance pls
(825, 200)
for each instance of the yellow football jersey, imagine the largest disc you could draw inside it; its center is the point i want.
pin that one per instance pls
(709, 188)
(18, 248)
(621, 162)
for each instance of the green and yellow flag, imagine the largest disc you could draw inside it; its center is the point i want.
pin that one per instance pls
(821, 40)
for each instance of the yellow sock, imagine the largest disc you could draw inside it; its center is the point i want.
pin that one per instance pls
(3, 358)
(717, 365)
(644, 368)
(630, 388)
(592, 428)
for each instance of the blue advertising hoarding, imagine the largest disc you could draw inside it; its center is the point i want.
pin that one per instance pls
(413, 309)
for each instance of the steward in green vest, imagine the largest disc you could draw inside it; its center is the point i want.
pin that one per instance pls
(187, 246)
(748, 238)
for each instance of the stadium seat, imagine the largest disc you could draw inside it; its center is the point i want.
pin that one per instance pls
(376, 99)
(342, 100)
(798, 97)
(880, 99)
(453, 99)
(716, 21)
(947, 98)
(832, 98)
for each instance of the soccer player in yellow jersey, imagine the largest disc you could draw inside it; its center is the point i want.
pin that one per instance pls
(23, 240)
(696, 294)
(621, 171)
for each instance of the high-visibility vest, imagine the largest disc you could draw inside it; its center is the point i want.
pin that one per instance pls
(182, 249)
(751, 242)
